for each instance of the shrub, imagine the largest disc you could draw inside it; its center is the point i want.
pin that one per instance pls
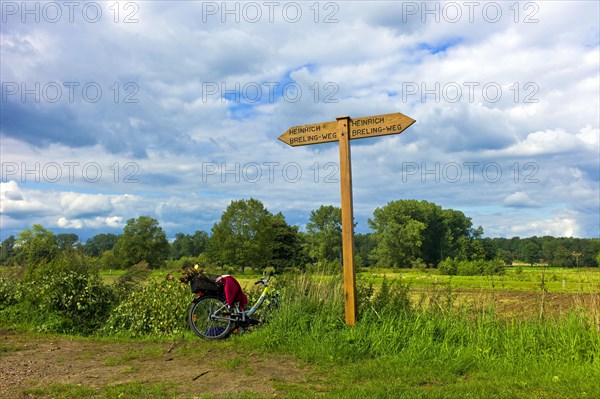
(11, 289)
(470, 268)
(73, 290)
(453, 267)
(159, 308)
(448, 267)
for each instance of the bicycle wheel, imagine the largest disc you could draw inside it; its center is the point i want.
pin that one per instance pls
(209, 318)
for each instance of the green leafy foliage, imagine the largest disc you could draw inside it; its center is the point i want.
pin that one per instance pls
(65, 295)
(99, 243)
(158, 308)
(324, 230)
(239, 239)
(189, 245)
(455, 267)
(142, 240)
(407, 230)
(132, 280)
(69, 287)
(36, 245)
(66, 241)
(7, 251)
(248, 235)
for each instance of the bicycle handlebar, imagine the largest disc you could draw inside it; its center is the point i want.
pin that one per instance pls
(264, 281)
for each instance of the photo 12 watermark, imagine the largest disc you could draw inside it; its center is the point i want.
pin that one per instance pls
(70, 92)
(269, 92)
(409, 172)
(470, 11)
(54, 12)
(269, 172)
(469, 172)
(252, 12)
(69, 172)
(471, 92)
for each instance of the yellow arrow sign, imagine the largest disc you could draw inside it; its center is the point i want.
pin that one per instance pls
(310, 134)
(369, 126)
(380, 125)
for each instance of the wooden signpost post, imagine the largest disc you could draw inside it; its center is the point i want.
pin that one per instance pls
(343, 130)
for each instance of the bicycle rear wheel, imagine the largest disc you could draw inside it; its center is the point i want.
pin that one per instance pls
(208, 317)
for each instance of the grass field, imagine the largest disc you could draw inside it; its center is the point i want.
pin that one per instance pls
(520, 278)
(419, 335)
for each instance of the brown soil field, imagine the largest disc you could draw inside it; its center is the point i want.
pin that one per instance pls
(29, 360)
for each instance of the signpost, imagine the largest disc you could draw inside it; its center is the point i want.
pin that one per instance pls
(343, 130)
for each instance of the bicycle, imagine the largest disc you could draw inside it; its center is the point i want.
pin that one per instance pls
(211, 318)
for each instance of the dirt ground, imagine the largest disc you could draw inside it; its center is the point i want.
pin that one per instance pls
(30, 360)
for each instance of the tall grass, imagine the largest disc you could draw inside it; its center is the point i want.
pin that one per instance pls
(397, 338)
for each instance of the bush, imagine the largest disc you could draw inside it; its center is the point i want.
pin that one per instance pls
(448, 267)
(73, 290)
(65, 295)
(11, 289)
(453, 267)
(159, 308)
(470, 268)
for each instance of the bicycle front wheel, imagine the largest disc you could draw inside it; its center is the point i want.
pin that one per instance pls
(208, 317)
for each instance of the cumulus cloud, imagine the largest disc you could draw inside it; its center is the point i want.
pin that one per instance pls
(520, 200)
(506, 110)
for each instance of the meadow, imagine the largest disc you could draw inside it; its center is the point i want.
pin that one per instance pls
(533, 332)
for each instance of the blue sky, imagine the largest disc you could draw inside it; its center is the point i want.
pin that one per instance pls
(112, 110)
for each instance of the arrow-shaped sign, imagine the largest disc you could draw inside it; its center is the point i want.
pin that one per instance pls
(310, 134)
(360, 128)
(380, 125)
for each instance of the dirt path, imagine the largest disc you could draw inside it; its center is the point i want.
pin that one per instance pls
(194, 367)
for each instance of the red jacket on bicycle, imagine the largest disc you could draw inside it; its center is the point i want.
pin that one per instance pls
(233, 291)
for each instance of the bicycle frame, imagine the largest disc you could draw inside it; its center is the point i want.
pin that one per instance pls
(247, 313)
(259, 302)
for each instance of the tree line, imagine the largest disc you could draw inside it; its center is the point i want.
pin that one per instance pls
(405, 233)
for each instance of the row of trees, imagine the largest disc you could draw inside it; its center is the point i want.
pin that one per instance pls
(406, 233)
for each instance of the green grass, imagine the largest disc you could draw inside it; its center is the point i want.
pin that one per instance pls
(576, 280)
(402, 350)
(516, 278)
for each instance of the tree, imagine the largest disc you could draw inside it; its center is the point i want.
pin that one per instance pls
(284, 247)
(490, 248)
(241, 237)
(189, 245)
(324, 230)
(399, 244)
(457, 227)
(99, 243)
(7, 251)
(142, 240)
(396, 229)
(66, 241)
(364, 244)
(531, 252)
(36, 245)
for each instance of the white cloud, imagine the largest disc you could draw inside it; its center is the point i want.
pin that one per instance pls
(520, 199)
(542, 132)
